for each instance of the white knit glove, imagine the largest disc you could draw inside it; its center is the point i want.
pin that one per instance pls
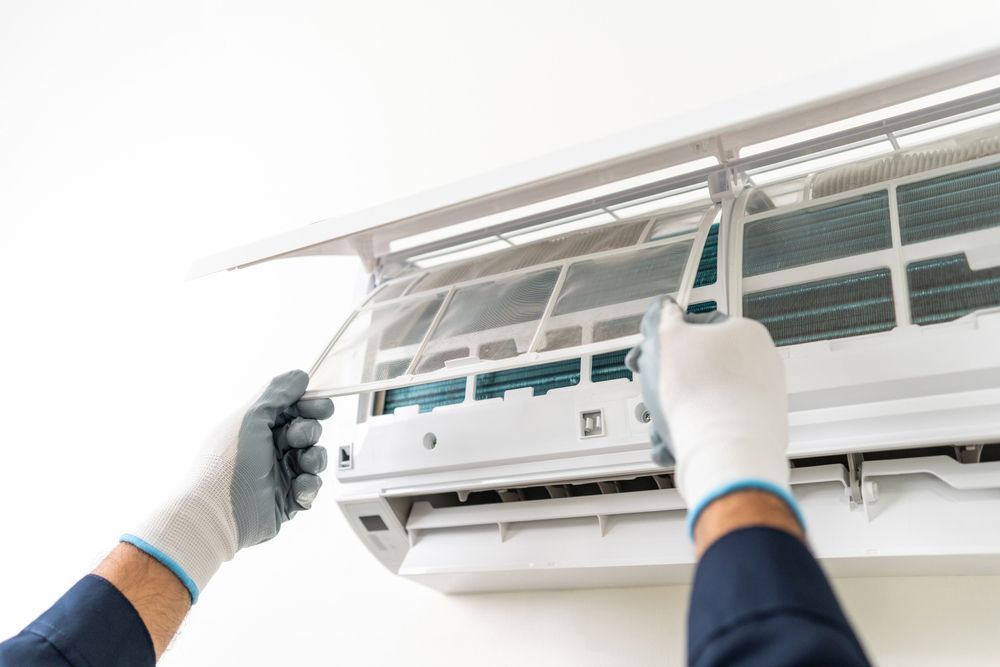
(715, 389)
(260, 469)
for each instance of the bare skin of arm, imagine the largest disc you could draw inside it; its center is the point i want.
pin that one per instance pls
(743, 509)
(160, 598)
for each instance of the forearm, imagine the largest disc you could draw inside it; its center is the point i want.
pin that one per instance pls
(158, 596)
(759, 596)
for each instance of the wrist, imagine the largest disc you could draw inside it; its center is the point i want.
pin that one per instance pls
(745, 508)
(715, 469)
(156, 594)
(191, 535)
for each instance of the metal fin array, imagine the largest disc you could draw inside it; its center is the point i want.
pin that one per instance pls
(609, 366)
(703, 307)
(945, 288)
(851, 305)
(708, 265)
(948, 205)
(817, 234)
(428, 396)
(541, 379)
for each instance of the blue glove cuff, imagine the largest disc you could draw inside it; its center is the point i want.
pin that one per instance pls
(165, 560)
(742, 485)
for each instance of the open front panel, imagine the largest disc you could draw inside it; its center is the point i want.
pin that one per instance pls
(549, 300)
(909, 239)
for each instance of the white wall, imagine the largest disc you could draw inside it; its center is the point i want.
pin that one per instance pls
(136, 137)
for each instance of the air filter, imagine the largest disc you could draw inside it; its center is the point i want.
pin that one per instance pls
(850, 305)
(949, 205)
(817, 234)
(945, 288)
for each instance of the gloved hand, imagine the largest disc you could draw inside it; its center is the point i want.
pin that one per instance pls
(715, 390)
(261, 468)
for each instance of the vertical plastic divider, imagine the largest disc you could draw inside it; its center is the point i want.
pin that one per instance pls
(586, 369)
(694, 258)
(470, 388)
(549, 306)
(734, 253)
(723, 252)
(900, 288)
(430, 332)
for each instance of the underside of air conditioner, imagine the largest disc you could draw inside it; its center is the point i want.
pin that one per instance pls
(495, 439)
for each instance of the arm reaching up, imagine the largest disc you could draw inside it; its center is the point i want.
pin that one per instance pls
(261, 467)
(715, 387)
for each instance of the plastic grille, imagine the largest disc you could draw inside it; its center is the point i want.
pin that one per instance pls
(949, 205)
(945, 288)
(609, 366)
(541, 379)
(708, 265)
(850, 305)
(843, 229)
(610, 237)
(491, 320)
(427, 396)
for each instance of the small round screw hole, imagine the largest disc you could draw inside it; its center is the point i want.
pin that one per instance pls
(642, 414)
(430, 441)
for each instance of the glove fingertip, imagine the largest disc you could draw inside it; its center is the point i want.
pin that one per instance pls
(632, 359)
(315, 408)
(305, 488)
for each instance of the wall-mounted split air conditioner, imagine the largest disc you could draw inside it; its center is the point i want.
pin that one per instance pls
(499, 440)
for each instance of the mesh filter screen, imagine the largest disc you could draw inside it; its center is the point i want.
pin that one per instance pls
(618, 288)
(675, 224)
(882, 169)
(392, 290)
(949, 205)
(610, 237)
(428, 396)
(846, 228)
(491, 320)
(541, 379)
(945, 288)
(378, 344)
(851, 305)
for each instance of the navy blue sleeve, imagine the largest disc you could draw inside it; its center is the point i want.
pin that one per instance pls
(760, 599)
(92, 625)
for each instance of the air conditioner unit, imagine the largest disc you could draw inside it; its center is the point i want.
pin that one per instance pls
(500, 442)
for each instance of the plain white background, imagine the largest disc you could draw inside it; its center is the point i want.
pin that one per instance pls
(135, 137)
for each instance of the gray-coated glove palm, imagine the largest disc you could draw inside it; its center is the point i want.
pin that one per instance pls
(262, 468)
(644, 359)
